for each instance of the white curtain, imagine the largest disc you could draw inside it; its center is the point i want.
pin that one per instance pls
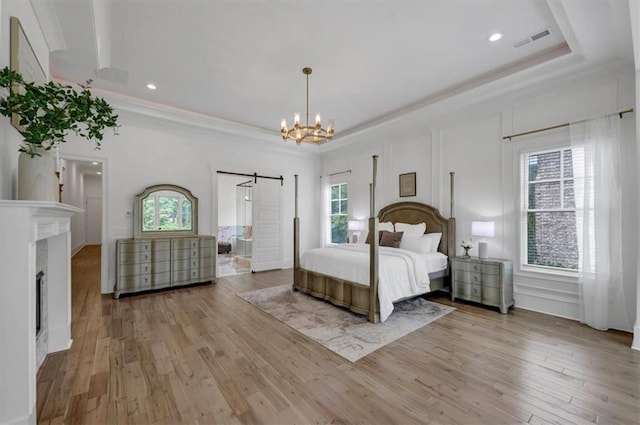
(596, 163)
(325, 191)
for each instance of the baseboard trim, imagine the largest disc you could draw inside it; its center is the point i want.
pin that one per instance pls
(636, 337)
(77, 249)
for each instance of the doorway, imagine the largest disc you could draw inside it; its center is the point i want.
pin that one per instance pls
(235, 227)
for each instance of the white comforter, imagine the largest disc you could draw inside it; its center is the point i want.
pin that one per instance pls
(401, 273)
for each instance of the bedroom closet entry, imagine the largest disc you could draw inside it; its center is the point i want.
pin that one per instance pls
(250, 212)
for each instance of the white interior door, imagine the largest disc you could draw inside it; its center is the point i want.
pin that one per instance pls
(93, 211)
(267, 225)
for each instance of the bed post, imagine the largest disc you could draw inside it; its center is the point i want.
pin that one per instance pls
(296, 237)
(451, 224)
(373, 248)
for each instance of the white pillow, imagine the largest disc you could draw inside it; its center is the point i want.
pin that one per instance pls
(411, 230)
(421, 245)
(435, 240)
(386, 225)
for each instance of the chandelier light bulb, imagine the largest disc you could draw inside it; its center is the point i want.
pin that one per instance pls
(317, 119)
(296, 119)
(283, 125)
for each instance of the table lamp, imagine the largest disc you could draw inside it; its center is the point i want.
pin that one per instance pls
(355, 227)
(483, 229)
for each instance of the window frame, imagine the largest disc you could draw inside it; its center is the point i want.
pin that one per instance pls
(525, 210)
(345, 213)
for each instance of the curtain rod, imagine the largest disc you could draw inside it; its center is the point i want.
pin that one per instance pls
(511, 136)
(255, 176)
(339, 172)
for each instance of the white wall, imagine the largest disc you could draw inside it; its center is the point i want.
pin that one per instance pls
(149, 151)
(467, 139)
(73, 194)
(92, 186)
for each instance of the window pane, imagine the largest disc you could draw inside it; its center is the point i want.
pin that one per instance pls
(186, 215)
(568, 163)
(335, 192)
(544, 196)
(569, 195)
(149, 213)
(339, 229)
(544, 166)
(551, 239)
(343, 207)
(335, 207)
(343, 191)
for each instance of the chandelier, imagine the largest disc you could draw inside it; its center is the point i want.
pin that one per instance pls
(307, 133)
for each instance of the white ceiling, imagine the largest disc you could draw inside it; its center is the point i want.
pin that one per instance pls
(241, 61)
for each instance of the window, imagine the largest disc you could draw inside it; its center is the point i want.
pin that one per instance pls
(166, 211)
(549, 215)
(338, 213)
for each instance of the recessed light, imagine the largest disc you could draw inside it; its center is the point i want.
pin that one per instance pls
(95, 163)
(98, 172)
(495, 37)
(151, 86)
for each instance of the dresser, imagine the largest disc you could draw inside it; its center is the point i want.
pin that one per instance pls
(149, 264)
(486, 281)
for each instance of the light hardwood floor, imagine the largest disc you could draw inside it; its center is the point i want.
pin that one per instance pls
(203, 355)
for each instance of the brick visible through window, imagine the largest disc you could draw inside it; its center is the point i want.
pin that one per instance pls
(549, 225)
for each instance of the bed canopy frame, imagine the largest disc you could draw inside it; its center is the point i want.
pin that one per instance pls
(363, 299)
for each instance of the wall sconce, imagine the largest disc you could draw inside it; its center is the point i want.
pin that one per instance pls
(356, 227)
(483, 229)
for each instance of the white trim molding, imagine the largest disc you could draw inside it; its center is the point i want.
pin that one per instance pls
(22, 224)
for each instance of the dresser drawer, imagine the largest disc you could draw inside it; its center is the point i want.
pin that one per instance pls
(207, 252)
(491, 296)
(184, 276)
(186, 264)
(161, 280)
(134, 257)
(468, 277)
(161, 246)
(160, 267)
(187, 243)
(468, 291)
(491, 280)
(207, 242)
(207, 273)
(492, 269)
(468, 266)
(134, 246)
(134, 283)
(135, 269)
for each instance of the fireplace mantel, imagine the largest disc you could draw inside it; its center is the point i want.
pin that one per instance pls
(22, 224)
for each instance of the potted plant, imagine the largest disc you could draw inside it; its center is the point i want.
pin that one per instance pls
(47, 113)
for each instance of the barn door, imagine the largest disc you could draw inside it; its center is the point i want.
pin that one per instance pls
(267, 218)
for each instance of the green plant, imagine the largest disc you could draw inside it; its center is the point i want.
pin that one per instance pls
(49, 112)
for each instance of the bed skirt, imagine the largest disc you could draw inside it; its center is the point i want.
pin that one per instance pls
(344, 293)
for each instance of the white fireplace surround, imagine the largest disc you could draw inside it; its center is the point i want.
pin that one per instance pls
(22, 224)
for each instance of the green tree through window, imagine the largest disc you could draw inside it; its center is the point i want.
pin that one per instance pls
(338, 213)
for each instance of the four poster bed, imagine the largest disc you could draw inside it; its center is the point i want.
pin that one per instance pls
(369, 284)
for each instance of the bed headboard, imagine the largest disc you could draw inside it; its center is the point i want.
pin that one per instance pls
(414, 213)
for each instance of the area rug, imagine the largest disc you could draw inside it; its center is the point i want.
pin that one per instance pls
(347, 334)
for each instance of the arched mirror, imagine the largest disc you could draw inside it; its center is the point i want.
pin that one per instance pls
(165, 210)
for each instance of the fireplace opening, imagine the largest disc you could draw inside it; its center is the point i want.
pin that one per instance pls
(39, 283)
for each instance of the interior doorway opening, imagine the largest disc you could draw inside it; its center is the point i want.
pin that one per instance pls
(235, 225)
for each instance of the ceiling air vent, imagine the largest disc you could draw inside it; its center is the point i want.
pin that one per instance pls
(534, 37)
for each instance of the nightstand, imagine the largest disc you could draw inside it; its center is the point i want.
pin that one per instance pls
(488, 281)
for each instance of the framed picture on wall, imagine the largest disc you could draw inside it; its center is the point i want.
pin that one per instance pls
(408, 184)
(23, 60)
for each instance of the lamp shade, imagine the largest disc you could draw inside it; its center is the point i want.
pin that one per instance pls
(484, 229)
(355, 225)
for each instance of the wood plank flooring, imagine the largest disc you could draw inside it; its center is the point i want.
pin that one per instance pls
(202, 355)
